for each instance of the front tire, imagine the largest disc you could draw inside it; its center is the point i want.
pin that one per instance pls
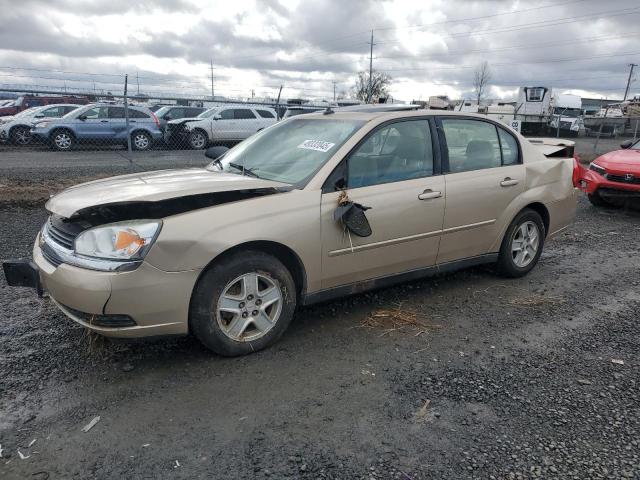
(522, 244)
(597, 201)
(242, 304)
(21, 136)
(62, 140)
(198, 140)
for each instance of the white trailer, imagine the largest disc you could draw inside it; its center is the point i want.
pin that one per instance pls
(532, 108)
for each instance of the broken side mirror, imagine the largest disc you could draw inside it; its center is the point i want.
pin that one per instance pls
(626, 144)
(215, 152)
(82, 117)
(353, 218)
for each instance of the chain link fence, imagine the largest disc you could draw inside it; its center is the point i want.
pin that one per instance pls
(40, 121)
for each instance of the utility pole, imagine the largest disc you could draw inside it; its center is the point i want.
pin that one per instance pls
(212, 92)
(278, 104)
(626, 90)
(370, 95)
(126, 116)
(138, 83)
(334, 90)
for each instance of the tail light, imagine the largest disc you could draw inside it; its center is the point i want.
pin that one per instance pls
(155, 119)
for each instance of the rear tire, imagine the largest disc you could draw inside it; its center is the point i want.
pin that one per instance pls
(242, 304)
(62, 140)
(141, 141)
(522, 244)
(597, 201)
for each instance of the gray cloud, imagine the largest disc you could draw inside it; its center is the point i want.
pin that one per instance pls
(324, 40)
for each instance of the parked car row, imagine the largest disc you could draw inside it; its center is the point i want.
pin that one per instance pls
(64, 126)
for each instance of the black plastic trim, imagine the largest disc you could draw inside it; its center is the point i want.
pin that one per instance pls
(383, 282)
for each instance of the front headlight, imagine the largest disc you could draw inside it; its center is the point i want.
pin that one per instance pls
(597, 168)
(130, 240)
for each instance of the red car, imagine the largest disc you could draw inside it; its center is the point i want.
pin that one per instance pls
(613, 178)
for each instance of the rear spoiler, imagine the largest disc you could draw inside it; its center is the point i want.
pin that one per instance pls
(554, 147)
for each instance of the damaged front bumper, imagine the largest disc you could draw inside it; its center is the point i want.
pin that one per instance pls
(144, 302)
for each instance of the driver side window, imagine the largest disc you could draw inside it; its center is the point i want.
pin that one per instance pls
(393, 153)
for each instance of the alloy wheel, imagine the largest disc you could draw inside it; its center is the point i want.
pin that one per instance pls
(22, 136)
(62, 140)
(141, 141)
(249, 307)
(525, 244)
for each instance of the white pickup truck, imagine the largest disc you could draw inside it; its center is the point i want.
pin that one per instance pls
(220, 124)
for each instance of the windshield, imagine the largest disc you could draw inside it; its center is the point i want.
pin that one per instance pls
(27, 112)
(162, 111)
(290, 151)
(568, 112)
(208, 113)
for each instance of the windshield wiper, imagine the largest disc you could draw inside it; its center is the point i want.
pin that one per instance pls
(245, 171)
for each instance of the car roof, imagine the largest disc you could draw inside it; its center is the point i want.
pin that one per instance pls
(388, 115)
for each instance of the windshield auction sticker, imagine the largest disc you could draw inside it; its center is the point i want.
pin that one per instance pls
(317, 145)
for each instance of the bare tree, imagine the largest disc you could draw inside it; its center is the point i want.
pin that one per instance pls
(380, 83)
(481, 79)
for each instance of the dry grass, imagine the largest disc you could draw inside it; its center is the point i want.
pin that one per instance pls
(399, 318)
(35, 193)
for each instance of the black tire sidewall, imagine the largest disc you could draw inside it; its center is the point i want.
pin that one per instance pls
(202, 315)
(597, 201)
(506, 265)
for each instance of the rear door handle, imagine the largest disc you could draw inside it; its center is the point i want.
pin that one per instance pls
(104, 121)
(508, 182)
(428, 194)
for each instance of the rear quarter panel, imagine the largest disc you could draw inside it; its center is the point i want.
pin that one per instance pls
(547, 181)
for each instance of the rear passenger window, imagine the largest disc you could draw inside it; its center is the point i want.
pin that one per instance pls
(400, 151)
(471, 144)
(117, 112)
(509, 148)
(243, 114)
(226, 115)
(265, 114)
(137, 114)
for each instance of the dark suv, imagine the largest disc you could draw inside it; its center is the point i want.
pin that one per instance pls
(176, 112)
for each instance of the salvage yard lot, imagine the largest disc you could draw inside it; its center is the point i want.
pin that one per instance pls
(465, 375)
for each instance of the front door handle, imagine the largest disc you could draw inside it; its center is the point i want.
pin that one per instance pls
(104, 121)
(428, 194)
(508, 182)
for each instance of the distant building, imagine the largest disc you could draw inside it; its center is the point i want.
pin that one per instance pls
(592, 106)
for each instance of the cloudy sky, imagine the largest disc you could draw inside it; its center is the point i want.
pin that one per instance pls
(430, 47)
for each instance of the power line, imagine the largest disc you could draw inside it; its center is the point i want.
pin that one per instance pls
(520, 46)
(509, 64)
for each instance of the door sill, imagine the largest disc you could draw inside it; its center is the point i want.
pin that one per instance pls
(387, 281)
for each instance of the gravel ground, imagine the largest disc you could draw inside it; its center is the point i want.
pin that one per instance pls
(460, 376)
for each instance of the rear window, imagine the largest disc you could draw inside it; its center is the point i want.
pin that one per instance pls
(243, 114)
(265, 114)
(137, 114)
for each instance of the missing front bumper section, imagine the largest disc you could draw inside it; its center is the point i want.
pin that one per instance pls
(22, 272)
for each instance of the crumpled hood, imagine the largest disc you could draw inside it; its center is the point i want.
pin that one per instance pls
(627, 160)
(151, 187)
(178, 121)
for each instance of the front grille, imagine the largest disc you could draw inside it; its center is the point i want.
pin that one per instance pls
(621, 179)
(565, 125)
(62, 233)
